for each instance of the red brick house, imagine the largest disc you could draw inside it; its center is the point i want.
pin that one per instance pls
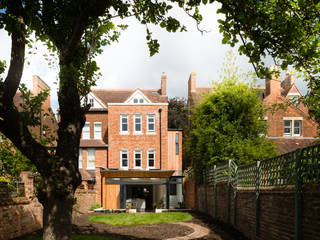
(127, 151)
(289, 128)
(48, 124)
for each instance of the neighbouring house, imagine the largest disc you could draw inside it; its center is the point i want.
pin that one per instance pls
(127, 153)
(290, 128)
(48, 123)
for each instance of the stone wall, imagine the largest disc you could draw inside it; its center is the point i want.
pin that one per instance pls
(20, 215)
(277, 211)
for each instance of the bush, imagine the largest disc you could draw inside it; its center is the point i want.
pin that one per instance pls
(95, 206)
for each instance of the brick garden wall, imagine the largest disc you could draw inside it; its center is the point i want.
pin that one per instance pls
(20, 215)
(276, 212)
(85, 199)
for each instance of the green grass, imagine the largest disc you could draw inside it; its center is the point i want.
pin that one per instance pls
(124, 219)
(80, 237)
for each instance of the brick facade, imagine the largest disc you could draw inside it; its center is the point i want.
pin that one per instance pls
(275, 92)
(107, 107)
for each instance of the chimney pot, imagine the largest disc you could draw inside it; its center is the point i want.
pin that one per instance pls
(273, 85)
(192, 83)
(163, 84)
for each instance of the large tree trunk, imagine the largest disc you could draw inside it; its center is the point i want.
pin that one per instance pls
(57, 217)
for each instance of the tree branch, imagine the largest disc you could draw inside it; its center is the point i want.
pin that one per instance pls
(13, 78)
(14, 128)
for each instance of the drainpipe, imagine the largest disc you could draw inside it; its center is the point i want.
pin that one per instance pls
(101, 192)
(107, 145)
(160, 110)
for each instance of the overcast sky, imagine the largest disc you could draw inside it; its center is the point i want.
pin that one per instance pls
(127, 64)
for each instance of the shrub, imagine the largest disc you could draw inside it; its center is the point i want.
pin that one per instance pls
(95, 206)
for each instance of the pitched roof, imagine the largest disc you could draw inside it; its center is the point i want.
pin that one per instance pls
(92, 143)
(289, 145)
(87, 174)
(121, 95)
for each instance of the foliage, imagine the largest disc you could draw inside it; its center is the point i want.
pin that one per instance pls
(12, 161)
(95, 206)
(228, 124)
(159, 205)
(288, 31)
(134, 219)
(177, 113)
(75, 32)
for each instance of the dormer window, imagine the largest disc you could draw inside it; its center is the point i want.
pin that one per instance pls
(91, 101)
(294, 99)
(138, 100)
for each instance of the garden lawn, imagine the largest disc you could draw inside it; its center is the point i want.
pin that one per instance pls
(80, 237)
(131, 219)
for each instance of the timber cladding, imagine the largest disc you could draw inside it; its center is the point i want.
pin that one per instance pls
(111, 196)
(277, 210)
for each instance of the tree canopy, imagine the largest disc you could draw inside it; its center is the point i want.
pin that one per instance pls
(12, 161)
(75, 31)
(288, 31)
(228, 123)
(177, 113)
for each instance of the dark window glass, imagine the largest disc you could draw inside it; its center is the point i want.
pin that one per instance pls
(173, 189)
(177, 143)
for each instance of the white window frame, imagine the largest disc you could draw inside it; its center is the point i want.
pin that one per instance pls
(134, 123)
(122, 151)
(284, 127)
(151, 116)
(294, 99)
(292, 120)
(84, 136)
(91, 102)
(134, 158)
(122, 116)
(154, 158)
(80, 160)
(91, 166)
(300, 128)
(96, 134)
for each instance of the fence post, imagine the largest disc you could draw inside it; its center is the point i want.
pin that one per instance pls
(229, 191)
(215, 190)
(205, 190)
(298, 197)
(235, 189)
(258, 173)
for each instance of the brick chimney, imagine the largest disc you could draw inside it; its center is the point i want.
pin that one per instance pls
(192, 83)
(163, 84)
(289, 80)
(38, 86)
(273, 85)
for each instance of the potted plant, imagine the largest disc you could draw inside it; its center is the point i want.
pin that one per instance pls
(159, 206)
(128, 206)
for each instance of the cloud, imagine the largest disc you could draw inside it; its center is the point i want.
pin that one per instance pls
(126, 64)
